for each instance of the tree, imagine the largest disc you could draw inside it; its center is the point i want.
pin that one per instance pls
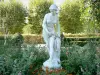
(70, 17)
(37, 11)
(95, 12)
(95, 4)
(27, 29)
(90, 15)
(14, 15)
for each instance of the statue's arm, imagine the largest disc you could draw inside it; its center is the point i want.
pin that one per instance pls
(44, 24)
(58, 28)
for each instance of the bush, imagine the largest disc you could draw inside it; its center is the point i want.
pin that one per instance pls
(36, 39)
(27, 29)
(82, 60)
(17, 39)
(28, 59)
(15, 60)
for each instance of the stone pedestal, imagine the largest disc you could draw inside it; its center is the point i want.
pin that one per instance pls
(51, 65)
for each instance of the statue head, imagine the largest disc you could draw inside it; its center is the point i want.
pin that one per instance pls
(53, 9)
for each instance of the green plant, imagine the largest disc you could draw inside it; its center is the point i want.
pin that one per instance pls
(12, 15)
(17, 39)
(29, 59)
(81, 60)
(16, 60)
(37, 11)
(27, 29)
(70, 17)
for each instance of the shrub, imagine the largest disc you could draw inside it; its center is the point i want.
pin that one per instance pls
(29, 59)
(15, 60)
(36, 39)
(17, 39)
(82, 60)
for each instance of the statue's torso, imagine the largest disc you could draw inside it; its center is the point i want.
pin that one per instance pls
(51, 21)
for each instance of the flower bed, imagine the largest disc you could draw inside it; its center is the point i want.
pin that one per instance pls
(28, 59)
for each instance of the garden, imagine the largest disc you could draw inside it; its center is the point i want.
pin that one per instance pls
(23, 50)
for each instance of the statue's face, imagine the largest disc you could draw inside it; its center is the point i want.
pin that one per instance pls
(53, 11)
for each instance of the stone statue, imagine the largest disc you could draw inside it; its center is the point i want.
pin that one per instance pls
(51, 35)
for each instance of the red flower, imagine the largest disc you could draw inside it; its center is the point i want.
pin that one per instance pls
(33, 72)
(67, 48)
(38, 74)
(31, 66)
(70, 74)
(56, 70)
(66, 53)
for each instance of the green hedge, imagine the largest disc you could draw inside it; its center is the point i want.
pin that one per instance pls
(68, 38)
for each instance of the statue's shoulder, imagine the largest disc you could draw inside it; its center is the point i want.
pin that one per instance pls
(48, 14)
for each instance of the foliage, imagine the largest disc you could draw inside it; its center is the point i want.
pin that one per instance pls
(37, 11)
(95, 4)
(13, 14)
(70, 17)
(90, 15)
(27, 29)
(30, 39)
(16, 60)
(82, 60)
(17, 40)
(28, 59)
(75, 16)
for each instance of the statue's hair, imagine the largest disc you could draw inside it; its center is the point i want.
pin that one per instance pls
(53, 6)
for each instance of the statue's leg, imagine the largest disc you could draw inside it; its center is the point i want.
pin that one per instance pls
(51, 50)
(46, 40)
(48, 48)
(58, 43)
(58, 47)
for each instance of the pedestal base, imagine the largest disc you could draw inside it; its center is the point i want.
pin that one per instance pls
(51, 65)
(50, 69)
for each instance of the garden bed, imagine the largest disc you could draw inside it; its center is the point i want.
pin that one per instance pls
(28, 59)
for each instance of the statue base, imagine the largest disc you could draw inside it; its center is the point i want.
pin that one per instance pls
(50, 69)
(51, 65)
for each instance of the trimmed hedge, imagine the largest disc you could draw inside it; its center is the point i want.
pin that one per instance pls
(72, 38)
(32, 38)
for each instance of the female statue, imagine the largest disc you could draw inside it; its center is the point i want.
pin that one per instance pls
(51, 35)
